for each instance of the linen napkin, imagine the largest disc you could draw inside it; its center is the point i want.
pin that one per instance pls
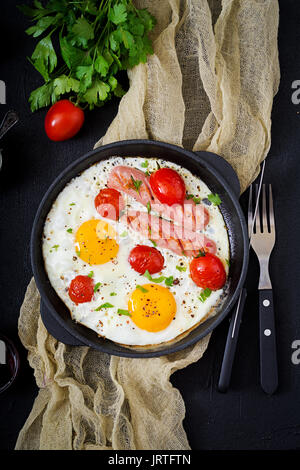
(209, 86)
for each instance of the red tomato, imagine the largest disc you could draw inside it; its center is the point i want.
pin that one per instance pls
(168, 186)
(81, 289)
(143, 258)
(63, 120)
(109, 203)
(208, 272)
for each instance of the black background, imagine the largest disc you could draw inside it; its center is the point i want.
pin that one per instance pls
(243, 418)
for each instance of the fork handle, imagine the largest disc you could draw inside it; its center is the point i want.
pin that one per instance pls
(268, 355)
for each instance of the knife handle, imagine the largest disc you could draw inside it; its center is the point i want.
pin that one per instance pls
(231, 343)
(267, 337)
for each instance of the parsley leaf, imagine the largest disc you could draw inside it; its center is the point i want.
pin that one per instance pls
(97, 286)
(118, 14)
(101, 66)
(142, 289)
(50, 92)
(35, 13)
(168, 280)
(64, 84)
(136, 183)
(41, 26)
(44, 58)
(85, 74)
(152, 279)
(205, 294)
(83, 31)
(97, 93)
(196, 200)
(214, 199)
(106, 305)
(41, 96)
(120, 311)
(73, 56)
(181, 268)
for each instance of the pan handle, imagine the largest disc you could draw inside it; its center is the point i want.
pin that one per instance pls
(55, 329)
(223, 167)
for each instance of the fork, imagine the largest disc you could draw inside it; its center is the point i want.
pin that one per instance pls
(262, 238)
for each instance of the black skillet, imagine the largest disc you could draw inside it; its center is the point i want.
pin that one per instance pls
(220, 178)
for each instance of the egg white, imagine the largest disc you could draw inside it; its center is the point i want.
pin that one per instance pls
(75, 205)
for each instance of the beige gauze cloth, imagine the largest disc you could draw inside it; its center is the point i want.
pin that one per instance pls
(210, 86)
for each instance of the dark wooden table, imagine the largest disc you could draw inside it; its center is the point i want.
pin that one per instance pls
(243, 418)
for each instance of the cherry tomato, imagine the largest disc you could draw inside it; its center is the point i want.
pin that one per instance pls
(208, 272)
(63, 120)
(81, 289)
(143, 258)
(109, 203)
(168, 186)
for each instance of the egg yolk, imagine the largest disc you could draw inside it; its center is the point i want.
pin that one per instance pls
(152, 307)
(95, 242)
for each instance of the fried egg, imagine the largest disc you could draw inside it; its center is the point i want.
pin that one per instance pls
(95, 242)
(152, 307)
(127, 307)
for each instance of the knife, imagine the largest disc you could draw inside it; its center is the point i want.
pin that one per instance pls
(234, 326)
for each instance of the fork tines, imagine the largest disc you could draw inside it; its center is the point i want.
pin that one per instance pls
(262, 219)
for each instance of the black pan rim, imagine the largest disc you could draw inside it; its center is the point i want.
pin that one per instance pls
(130, 353)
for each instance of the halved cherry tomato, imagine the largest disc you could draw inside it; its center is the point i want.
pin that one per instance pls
(81, 289)
(208, 271)
(109, 203)
(63, 120)
(143, 258)
(168, 186)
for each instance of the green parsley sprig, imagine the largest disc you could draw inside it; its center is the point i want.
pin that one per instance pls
(123, 312)
(196, 200)
(167, 280)
(106, 305)
(214, 199)
(136, 184)
(83, 46)
(181, 268)
(205, 294)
